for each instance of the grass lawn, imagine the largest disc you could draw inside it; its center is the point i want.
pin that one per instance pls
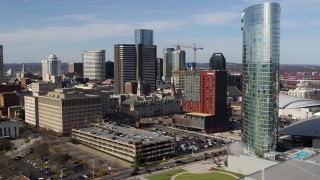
(166, 175)
(236, 174)
(177, 157)
(207, 176)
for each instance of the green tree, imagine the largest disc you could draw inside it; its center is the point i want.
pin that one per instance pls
(21, 114)
(138, 161)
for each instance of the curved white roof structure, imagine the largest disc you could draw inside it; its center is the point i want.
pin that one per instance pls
(291, 102)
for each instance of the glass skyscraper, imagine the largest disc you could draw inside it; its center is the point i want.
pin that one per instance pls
(143, 36)
(1, 64)
(217, 62)
(261, 51)
(94, 66)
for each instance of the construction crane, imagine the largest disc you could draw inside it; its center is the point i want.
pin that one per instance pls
(194, 51)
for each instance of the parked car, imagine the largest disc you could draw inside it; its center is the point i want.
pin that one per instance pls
(133, 173)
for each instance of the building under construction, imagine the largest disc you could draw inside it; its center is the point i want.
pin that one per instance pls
(179, 77)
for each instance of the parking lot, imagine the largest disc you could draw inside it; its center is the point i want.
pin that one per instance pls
(44, 162)
(185, 144)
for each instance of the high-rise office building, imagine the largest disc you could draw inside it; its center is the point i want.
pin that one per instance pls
(217, 62)
(159, 68)
(124, 66)
(143, 36)
(261, 51)
(167, 63)
(178, 59)
(1, 64)
(109, 69)
(147, 64)
(133, 62)
(51, 66)
(94, 66)
(76, 68)
(173, 60)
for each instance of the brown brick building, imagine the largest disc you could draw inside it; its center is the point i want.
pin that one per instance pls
(6, 100)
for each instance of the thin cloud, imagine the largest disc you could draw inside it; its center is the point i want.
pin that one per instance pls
(216, 18)
(163, 25)
(70, 34)
(84, 32)
(82, 17)
(142, 10)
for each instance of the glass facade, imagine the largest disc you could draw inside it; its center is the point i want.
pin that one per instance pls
(261, 51)
(178, 60)
(217, 62)
(94, 64)
(144, 36)
(1, 64)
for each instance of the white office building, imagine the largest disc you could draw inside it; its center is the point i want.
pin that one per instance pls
(51, 66)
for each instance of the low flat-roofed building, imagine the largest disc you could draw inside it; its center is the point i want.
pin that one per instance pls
(305, 92)
(126, 142)
(288, 170)
(42, 88)
(151, 105)
(297, 108)
(9, 128)
(198, 121)
(193, 120)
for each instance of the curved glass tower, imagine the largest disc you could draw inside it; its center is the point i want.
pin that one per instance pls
(94, 66)
(261, 51)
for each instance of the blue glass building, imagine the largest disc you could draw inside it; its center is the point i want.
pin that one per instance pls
(143, 36)
(261, 51)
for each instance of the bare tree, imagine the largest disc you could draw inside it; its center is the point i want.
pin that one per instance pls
(4, 144)
(41, 149)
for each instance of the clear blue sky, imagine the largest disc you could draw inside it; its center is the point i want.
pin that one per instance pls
(33, 29)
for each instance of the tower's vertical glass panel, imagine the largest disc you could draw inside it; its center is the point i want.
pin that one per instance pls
(261, 50)
(143, 36)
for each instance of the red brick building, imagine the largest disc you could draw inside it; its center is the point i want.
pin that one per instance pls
(130, 87)
(208, 98)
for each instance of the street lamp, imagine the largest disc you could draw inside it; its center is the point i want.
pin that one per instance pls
(93, 168)
(61, 170)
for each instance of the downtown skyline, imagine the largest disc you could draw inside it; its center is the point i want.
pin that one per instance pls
(33, 29)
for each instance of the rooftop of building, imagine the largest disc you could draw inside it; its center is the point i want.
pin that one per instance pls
(67, 93)
(124, 134)
(150, 99)
(198, 114)
(290, 170)
(292, 102)
(307, 127)
(7, 120)
(233, 91)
